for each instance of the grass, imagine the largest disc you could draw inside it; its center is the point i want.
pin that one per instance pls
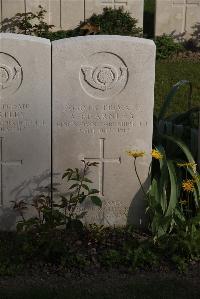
(169, 73)
(142, 288)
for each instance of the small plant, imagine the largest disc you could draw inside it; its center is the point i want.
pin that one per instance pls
(192, 44)
(27, 23)
(167, 46)
(174, 196)
(80, 191)
(50, 214)
(175, 189)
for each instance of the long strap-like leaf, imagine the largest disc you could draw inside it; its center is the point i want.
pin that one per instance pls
(181, 145)
(171, 94)
(173, 185)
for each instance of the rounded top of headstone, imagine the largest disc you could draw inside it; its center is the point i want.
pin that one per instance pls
(22, 37)
(95, 38)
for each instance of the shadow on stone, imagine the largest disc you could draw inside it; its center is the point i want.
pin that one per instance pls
(7, 218)
(137, 211)
(26, 191)
(32, 187)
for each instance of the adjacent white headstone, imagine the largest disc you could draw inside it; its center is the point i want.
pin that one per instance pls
(103, 95)
(11, 7)
(72, 13)
(33, 6)
(179, 17)
(55, 14)
(25, 120)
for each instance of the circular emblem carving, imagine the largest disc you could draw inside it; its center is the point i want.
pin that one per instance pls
(105, 76)
(10, 75)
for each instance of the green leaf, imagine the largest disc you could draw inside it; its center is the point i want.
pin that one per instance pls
(64, 175)
(73, 186)
(93, 191)
(173, 185)
(153, 191)
(196, 197)
(196, 185)
(85, 187)
(171, 94)
(163, 179)
(68, 173)
(82, 197)
(87, 180)
(96, 200)
(181, 145)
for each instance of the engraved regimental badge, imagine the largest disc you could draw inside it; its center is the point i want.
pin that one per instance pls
(105, 75)
(10, 75)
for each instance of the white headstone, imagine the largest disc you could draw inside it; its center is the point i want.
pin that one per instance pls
(12, 7)
(25, 120)
(33, 6)
(55, 14)
(72, 13)
(103, 96)
(177, 16)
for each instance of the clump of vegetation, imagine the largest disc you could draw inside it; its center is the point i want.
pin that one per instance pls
(173, 199)
(111, 21)
(167, 46)
(27, 23)
(50, 215)
(115, 21)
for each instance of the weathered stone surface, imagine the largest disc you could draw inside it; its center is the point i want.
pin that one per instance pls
(103, 94)
(72, 12)
(180, 17)
(55, 14)
(11, 7)
(25, 120)
(33, 6)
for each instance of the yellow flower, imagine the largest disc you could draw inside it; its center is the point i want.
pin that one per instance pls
(135, 154)
(188, 164)
(156, 154)
(188, 185)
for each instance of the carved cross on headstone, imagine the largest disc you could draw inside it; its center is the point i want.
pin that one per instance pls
(101, 161)
(114, 3)
(4, 164)
(185, 4)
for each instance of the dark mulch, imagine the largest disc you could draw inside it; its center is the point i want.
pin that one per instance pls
(186, 55)
(53, 278)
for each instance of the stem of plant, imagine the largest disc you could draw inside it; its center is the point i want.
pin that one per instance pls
(139, 179)
(79, 187)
